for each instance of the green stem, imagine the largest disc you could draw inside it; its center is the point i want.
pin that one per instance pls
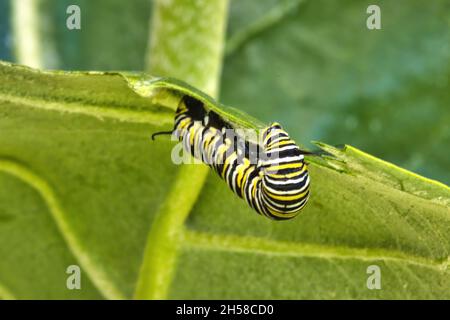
(34, 45)
(28, 47)
(187, 43)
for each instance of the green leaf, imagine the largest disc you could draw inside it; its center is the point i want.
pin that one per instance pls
(81, 182)
(60, 131)
(363, 211)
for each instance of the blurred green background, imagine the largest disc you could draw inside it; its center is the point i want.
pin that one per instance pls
(312, 65)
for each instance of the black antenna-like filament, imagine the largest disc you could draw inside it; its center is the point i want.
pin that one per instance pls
(160, 133)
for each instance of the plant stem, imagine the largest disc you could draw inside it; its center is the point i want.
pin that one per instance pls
(33, 45)
(187, 43)
(25, 17)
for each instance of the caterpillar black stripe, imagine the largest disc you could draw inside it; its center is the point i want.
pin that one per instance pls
(274, 180)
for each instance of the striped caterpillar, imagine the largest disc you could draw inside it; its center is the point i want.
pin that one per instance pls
(271, 177)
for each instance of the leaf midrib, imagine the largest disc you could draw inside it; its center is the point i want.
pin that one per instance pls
(237, 243)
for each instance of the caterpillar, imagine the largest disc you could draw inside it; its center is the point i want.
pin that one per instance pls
(272, 176)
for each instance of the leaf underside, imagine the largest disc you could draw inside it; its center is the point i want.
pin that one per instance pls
(81, 183)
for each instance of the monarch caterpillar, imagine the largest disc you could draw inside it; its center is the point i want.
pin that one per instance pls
(273, 181)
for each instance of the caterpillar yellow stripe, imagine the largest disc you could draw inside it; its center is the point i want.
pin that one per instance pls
(275, 183)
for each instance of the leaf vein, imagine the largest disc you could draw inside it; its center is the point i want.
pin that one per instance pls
(98, 277)
(234, 243)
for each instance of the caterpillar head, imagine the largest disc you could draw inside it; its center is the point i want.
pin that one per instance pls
(272, 132)
(277, 143)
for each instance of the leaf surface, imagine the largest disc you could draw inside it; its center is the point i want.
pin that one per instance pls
(62, 130)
